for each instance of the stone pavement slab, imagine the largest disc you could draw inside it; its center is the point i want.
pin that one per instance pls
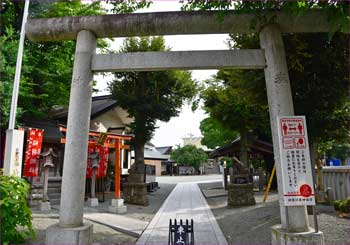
(186, 201)
(214, 192)
(130, 226)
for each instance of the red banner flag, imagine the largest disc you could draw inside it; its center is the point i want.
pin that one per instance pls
(34, 142)
(103, 153)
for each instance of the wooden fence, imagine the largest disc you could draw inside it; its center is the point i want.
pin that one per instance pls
(337, 181)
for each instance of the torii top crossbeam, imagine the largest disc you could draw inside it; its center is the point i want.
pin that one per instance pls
(173, 23)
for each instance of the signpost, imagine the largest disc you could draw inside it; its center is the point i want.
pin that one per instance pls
(298, 188)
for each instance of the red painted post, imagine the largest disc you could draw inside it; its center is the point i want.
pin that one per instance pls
(117, 168)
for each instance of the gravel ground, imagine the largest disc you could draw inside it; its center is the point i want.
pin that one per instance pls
(156, 200)
(252, 225)
(103, 234)
(336, 230)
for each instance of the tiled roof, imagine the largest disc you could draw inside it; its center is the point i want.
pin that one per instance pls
(99, 105)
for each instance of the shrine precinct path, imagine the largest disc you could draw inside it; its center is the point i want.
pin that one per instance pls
(186, 201)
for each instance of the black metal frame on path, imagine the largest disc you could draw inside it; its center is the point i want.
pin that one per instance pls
(180, 233)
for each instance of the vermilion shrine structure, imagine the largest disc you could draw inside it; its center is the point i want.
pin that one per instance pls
(271, 57)
(113, 141)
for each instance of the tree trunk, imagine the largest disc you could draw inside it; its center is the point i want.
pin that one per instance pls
(244, 147)
(139, 154)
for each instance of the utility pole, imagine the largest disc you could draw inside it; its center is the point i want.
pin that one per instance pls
(18, 68)
(14, 138)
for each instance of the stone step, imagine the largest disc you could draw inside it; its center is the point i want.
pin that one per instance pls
(36, 191)
(55, 178)
(35, 196)
(54, 184)
(50, 185)
(55, 201)
(54, 190)
(54, 195)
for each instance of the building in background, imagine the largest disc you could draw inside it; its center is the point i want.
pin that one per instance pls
(196, 141)
(152, 157)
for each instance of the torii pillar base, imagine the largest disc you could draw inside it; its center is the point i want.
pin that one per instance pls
(281, 236)
(56, 234)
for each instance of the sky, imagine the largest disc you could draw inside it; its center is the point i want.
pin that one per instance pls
(171, 133)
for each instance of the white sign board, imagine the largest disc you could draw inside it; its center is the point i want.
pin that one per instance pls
(298, 188)
(13, 152)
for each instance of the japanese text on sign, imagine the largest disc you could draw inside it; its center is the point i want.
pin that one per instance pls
(34, 142)
(295, 161)
(181, 233)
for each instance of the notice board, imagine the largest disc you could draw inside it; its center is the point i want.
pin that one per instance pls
(298, 188)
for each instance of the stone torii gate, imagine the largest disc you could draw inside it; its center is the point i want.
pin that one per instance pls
(271, 58)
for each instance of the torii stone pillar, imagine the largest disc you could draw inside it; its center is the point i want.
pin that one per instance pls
(294, 229)
(71, 229)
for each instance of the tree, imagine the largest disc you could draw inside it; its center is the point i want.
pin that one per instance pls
(318, 68)
(189, 155)
(128, 6)
(236, 100)
(46, 67)
(150, 96)
(337, 11)
(319, 73)
(215, 134)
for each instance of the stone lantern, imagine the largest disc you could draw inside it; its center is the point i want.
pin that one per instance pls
(47, 161)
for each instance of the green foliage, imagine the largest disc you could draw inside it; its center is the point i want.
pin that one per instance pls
(228, 160)
(345, 206)
(189, 155)
(150, 96)
(236, 99)
(318, 70)
(16, 216)
(46, 67)
(337, 11)
(341, 151)
(215, 134)
(336, 205)
(8, 46)
(128, 6)
(342, 206)
(319, 74)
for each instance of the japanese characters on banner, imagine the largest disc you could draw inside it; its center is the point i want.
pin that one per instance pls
(34, 142)
(103, 161)
(298, 189)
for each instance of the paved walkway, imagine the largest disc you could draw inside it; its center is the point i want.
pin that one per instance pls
(184, 202)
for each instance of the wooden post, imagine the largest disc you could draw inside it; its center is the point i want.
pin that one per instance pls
(117, 169)
(269, 184)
